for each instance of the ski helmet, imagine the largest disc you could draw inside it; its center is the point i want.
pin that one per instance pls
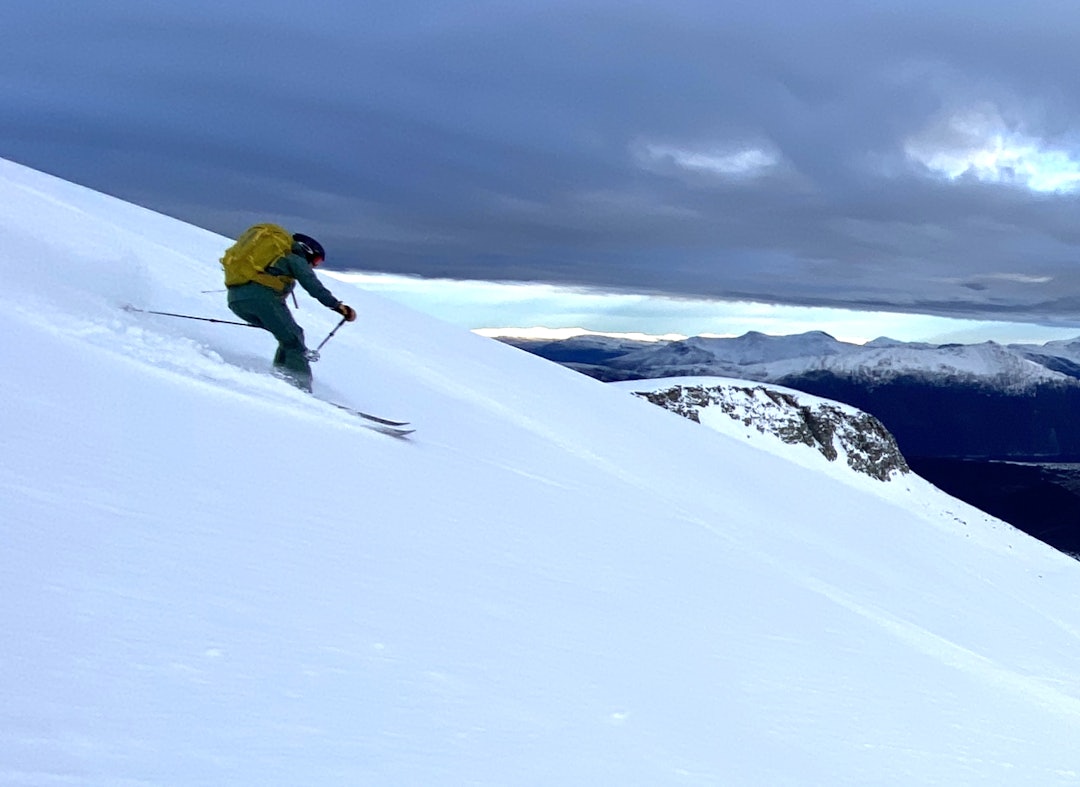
(310, 248)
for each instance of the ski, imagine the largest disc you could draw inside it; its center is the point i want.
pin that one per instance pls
(368, 416)
(393, 431)
(379, 424)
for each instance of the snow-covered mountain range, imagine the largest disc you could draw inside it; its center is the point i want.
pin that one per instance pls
(212, 578)
(756, 356)
(981, 400)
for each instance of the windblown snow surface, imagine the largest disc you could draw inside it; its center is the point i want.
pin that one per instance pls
(209, 578)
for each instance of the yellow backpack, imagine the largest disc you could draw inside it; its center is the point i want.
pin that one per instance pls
(246, 260)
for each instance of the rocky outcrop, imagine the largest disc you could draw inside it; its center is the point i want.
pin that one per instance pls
(834, 430)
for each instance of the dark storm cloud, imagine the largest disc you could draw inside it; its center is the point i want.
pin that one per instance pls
(787, 152)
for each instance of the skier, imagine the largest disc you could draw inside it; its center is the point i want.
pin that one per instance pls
(264, 306)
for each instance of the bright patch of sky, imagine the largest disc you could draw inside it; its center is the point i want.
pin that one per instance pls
(979, 143)
(549, 311)
(745, 161)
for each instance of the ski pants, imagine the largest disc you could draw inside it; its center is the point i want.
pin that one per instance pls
(273, 315)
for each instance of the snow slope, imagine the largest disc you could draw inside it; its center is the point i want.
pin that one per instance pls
(210, 578)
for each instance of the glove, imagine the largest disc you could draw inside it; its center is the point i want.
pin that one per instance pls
(348, 312)
(311, 355)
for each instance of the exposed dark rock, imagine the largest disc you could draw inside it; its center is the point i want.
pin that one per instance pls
(833, 430)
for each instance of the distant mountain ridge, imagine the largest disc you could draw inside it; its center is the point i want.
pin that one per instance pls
(956, 400)
(757, 356)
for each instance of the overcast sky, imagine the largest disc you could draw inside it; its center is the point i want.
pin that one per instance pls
(894, 155)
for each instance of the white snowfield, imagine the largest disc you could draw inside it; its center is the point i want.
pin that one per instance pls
(209, 578)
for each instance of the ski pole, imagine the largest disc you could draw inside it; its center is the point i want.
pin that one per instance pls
(331, 334)
(130, 308)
